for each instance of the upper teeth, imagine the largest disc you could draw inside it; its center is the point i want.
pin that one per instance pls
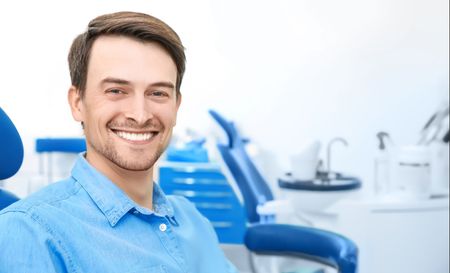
(134, 136)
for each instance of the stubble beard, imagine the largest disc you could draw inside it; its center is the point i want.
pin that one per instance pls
(142, 161)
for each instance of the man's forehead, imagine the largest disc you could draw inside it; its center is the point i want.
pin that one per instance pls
(124, 58)
(113, 43)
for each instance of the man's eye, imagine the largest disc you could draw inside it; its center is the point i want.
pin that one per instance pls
(115, 91)
(159, 94)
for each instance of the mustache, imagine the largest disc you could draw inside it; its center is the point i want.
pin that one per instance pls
(132, 124)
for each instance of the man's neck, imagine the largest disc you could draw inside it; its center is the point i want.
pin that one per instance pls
(138, 185)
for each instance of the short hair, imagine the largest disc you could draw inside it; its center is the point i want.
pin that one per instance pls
(139, 26)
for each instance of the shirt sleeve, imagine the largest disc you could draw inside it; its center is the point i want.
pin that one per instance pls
(223, 263)
(26, 246)
(230, 266)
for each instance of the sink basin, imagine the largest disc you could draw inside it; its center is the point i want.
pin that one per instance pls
(317, 195)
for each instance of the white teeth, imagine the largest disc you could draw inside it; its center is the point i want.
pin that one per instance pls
(134, 136)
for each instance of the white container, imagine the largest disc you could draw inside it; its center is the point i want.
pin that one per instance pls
(439, 168)
(411, 169)
(304, 164)
(382, 165)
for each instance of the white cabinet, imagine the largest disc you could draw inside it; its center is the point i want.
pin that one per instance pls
(397, 236)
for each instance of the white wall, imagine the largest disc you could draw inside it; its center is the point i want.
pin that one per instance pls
(287, 71)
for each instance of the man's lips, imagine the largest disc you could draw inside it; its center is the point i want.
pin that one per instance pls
(134, 135)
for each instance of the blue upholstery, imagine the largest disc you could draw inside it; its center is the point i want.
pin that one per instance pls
(311, 243)
(253, 194)
(11, 148)
(7, 198)
(253, 186)
(226, 126)
(193, 151)
(11, 155)
(324, 246)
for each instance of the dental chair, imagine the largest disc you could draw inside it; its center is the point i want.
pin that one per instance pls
(11, 156)
(263, 235)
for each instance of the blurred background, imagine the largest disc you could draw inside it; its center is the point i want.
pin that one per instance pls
(287, 73)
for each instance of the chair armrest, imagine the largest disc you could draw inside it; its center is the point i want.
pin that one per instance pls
(315, 244)
(275, 207)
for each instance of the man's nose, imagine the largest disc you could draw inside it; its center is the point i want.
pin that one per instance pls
(139, 110)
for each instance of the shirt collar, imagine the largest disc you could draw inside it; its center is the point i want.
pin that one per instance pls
(110, 199)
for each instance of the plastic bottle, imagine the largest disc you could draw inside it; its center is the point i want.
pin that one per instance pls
(382, 165)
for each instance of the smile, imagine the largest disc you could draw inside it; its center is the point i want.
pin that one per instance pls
(134, 136)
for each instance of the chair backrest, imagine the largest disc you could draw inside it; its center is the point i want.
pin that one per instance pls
(11, 155)
(253, 186)
(11, 147)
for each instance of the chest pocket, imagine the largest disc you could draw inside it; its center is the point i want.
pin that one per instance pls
(151, 269)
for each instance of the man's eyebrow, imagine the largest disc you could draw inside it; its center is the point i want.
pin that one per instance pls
(162, 84)
(115, 80)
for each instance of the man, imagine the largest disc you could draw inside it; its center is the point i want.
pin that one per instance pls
(109, 216)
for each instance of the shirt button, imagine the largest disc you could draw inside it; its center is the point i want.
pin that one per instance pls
(163, 227)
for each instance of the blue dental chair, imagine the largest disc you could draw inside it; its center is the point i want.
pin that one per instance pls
(11, 156)
(263, 235)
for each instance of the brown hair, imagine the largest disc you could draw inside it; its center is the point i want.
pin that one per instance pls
(139, 26)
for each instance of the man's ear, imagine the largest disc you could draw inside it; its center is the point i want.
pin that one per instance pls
(76, 104)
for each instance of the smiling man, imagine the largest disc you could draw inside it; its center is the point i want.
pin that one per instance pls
(109, 216)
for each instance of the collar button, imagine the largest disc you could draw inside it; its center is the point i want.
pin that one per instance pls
(163, 227)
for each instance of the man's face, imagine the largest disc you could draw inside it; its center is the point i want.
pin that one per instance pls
(130, 104)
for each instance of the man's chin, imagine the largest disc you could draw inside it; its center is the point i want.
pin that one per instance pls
(135, 166)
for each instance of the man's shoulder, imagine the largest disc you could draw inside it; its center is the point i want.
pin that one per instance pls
(32, 230)
(179, 201)
(184, 207)
(49, 196)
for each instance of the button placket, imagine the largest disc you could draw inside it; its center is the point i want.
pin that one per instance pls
(165, 233)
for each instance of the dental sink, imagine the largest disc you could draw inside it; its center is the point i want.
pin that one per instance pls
(319, 194)
(324, 182)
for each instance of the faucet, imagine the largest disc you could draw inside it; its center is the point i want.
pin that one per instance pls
(334, 140)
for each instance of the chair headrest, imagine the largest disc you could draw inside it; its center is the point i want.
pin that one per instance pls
(11, 147)
(228, 127)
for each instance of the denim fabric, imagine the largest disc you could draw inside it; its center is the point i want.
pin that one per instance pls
(87, 224)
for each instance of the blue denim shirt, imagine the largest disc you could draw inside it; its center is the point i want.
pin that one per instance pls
(87, 224)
